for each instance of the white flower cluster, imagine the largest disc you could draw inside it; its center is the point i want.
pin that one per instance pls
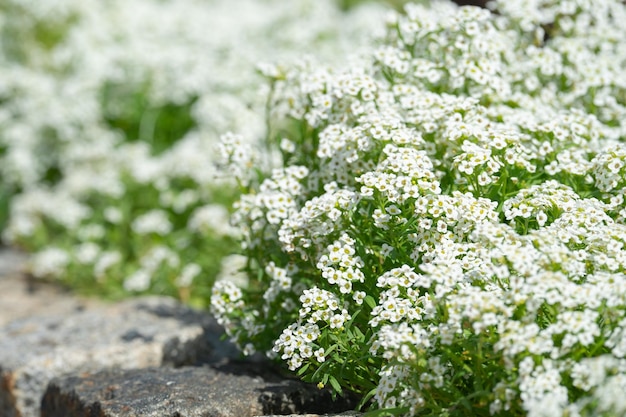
(459, 214)
(111, 115)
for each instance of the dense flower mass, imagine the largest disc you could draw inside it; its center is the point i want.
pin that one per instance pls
(446, 233)
(110, 115)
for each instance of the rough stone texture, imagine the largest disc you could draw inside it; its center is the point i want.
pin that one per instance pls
(11, 261)
(113, 360)
(21, 296)
(139, 333)
(183, 392)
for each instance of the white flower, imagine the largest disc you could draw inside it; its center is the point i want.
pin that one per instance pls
(233, 270)
(87, 252)
(154, 221)
(106, 260)
(49, 263)
(138, 281)
(187, 275)
(212, 217)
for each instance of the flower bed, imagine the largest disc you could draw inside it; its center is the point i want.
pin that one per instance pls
(445, 235)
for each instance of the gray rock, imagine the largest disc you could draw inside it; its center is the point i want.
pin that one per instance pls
(11, 261)
(183, 392)
(22, 296)
(139, 333)
(47, 333)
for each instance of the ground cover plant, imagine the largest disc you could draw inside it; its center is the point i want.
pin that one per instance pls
(110, 115)
(445, 234)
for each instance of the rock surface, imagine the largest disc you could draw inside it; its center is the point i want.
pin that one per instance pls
(96, 359)
(182, 392)
(21, 297)
(138, 333)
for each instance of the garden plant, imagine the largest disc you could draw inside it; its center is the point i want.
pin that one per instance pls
(427, 211)
(445, 233)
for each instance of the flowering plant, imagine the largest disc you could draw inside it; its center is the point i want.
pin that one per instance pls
(446, 233)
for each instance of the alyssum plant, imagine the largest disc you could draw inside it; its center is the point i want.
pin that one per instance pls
(446, 236)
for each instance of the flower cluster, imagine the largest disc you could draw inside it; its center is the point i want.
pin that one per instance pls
(455, 238)
(110, 121)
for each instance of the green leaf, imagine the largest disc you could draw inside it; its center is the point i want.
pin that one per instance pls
(366, 398)
(303, 369)
(331, 349)
(369, 300)
(335, 384)
(359, 334)
(325, 379)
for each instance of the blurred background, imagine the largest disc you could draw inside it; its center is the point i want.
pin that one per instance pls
(111, 112)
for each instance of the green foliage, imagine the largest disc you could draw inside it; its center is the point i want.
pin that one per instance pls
(131, 111)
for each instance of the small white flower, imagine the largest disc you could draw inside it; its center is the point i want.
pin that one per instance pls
(138, 281)
(154, 221)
